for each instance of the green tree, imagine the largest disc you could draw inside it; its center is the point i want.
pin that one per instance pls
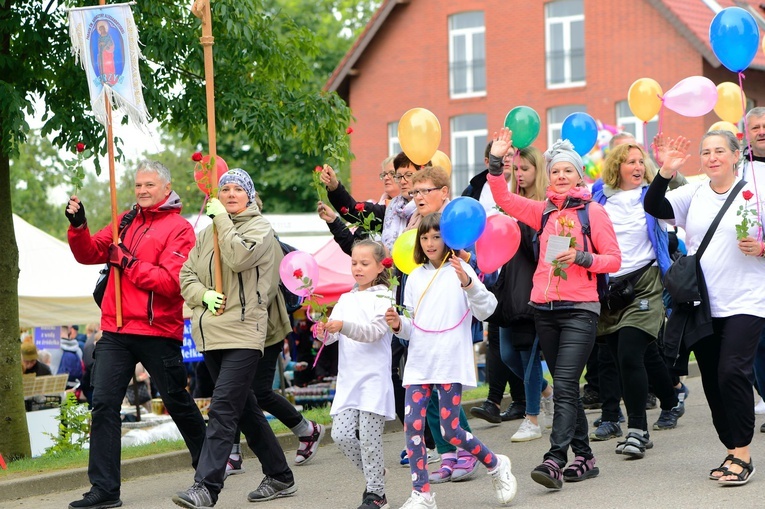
(261, 78)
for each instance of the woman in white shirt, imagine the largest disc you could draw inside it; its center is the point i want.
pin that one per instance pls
(734, 271)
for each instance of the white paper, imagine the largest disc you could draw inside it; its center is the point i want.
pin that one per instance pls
(556, 244)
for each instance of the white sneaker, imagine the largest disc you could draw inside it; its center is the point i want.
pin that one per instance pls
(418, 501)
(759, 408)
(505, 485)
(527, 431)
(548, 410)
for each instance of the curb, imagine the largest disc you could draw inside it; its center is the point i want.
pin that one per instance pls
(64, 480)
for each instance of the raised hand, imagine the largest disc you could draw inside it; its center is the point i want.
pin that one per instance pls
(461, 274)
(502, 142)
(326, 213)
(75, 212)
(675, 156)
(329, 177)
(660, 146)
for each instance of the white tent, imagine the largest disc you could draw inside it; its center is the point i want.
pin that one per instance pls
(53, 288)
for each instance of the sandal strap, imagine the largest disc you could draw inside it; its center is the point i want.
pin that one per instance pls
(747, 467)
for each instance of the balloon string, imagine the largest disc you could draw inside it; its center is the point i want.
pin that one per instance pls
(321, 349)
(201, 211)
(741, 79)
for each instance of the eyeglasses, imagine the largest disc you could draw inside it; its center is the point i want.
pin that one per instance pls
(391, 174)
(405, 176)
(423, 192)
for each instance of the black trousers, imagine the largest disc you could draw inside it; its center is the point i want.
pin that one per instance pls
(233, 404)
(725, 360)
(566, 338)
(498, 374)
(115, 358)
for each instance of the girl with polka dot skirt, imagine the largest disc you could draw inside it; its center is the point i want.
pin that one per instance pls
(441, 296)
(364, 396)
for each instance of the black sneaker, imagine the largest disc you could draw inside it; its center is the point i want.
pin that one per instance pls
(95, 500)
(762, 428)
(596, 423)
(271, 488)
(591, 399)
(650, 402)
(515, 411)
(196, 497)
(668, 418)
(374, 501)
(488, 411)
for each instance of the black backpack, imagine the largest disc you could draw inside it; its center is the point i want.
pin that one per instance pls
(292, 302)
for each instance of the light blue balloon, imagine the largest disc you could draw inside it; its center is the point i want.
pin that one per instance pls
(462, 222)
(735, 38)
(581, 130)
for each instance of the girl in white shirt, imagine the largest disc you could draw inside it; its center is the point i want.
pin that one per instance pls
(364, 396)
(441, 298)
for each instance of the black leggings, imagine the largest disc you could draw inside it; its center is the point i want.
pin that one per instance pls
(498, 374)
(628, 346)
(725, 361)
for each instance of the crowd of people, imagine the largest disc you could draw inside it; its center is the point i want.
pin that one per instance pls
(590, 270)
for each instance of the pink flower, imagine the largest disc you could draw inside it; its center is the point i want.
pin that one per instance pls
(747, 195)
(349, 130)
(359, 207)
(317, 169)
(298, 274)
(80, 147)
(196, 156)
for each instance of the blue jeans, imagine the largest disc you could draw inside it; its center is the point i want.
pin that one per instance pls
(566, 337)
(115, 358)
(525, 364)
(759, 366)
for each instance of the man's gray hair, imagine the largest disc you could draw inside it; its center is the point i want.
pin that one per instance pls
(160, 169)
(757, 112)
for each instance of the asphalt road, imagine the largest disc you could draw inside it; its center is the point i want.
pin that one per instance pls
(672, 475)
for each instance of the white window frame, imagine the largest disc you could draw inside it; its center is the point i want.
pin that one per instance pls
(468, 33)
(471, 135)
(631, 120)
(394, 145)
(552, 126)
(566, 22)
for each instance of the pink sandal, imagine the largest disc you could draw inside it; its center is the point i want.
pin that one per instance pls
(444, 472)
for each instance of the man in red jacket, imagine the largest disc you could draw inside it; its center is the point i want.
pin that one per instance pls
(154, 243)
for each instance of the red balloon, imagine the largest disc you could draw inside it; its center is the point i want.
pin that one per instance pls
(498, 243)
(203, 183)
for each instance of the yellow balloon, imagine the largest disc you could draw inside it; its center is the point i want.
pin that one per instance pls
(723, 125)
(644, 98)
(403, 251)
(442, 160)
(419, 134)
(728, 105)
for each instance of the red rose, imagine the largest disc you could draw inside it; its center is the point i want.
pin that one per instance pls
(359, 207)
(747, 195)
(387, 263)
(344, 210)
(317, 169)
(349, 130)
(740, 136)
(298, 274)
(80, 147)
(196, 156)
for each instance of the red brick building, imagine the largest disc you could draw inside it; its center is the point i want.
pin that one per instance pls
(471, 61)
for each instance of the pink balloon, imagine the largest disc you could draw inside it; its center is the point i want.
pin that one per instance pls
(299, 272)
(692, 97)
(498, 243)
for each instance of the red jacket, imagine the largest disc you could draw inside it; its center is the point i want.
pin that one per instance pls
(151, 297)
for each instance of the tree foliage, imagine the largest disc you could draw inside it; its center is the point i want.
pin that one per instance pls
(265, 91)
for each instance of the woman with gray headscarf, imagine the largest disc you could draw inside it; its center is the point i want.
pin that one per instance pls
(564, 293)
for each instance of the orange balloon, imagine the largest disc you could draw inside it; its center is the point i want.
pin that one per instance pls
(419, 134)
(442, 160)
(728, 105)
(644, 98)
(204, 182)
(723, 125)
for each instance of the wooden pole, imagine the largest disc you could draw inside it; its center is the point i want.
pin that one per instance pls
(113, 192)
(201, 9)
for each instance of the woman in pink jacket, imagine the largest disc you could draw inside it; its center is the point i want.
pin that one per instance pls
(564, 293)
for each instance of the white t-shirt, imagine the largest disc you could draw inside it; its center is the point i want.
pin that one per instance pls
(736, 282)
(487, 200)
(626, 212)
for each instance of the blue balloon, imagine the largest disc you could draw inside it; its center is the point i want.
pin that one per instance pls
(581, 130)
(735, 38)
(462, 222)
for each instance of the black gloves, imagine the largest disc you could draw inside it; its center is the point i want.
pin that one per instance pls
(120, 257)
(495, 165)
(78, 218)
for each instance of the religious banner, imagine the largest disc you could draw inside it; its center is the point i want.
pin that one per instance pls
(105, 42)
